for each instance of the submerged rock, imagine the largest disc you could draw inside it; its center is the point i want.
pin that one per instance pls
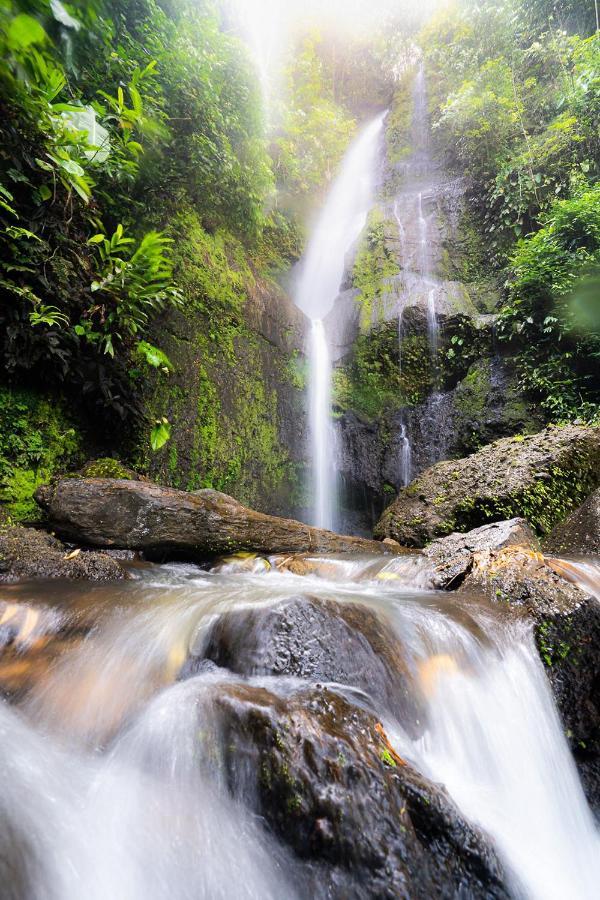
(541, 477)
(28, 553)
(321, 641)
(327, 781)
(580, 532)
(137, 515)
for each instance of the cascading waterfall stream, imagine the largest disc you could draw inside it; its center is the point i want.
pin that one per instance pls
(340, 223)
(109, 783)
(111, 786)
(320, 425)
(495, 740)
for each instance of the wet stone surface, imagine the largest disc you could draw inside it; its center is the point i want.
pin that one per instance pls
(321, 641)
(324, 776)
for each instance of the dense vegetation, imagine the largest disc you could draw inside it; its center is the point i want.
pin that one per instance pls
(516, 108)
(145, 206)
(110, 121)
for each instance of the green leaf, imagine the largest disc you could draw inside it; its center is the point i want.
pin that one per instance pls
(96, 239)
(45, 192)
(25, 30)
(72, 167)
(160, 434)
(154, 356)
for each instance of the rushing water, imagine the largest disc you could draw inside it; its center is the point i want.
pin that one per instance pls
(339, 225)
(109, 789)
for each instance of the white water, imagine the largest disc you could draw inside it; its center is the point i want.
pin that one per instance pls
(339, 225)
(321, 436)
(405, 457)
(109, 786)
(495, 740)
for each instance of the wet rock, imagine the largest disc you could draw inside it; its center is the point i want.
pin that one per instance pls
(321, 641)
(580, 532)
(541, 477)
(325, 778)
(27, 553)
(453, 556)
(160, 521)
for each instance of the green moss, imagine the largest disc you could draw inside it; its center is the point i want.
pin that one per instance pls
(387, 758)
(546, 502)
(374, 265)
(37, 440)
(399, 120)
(106, 467)
(223, 399)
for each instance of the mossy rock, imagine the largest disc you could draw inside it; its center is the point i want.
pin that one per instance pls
(38, 439)
(539, 477)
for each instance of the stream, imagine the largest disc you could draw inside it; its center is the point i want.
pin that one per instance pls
(112, 782)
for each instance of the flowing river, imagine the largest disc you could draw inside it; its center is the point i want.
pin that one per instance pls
(112, 783)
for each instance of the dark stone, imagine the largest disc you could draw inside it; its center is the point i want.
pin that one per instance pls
(27, 553)
(137, 515)
(325, 778)
(321, 641)
(540, 476)
(580, 532)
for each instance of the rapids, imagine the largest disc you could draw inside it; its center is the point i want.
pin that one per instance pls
(111, 784)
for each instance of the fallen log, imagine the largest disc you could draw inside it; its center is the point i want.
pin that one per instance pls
(138, 515)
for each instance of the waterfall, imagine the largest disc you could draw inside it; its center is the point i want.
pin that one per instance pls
(340, 223)
(321, 426)
(495, 740)
(405, 457)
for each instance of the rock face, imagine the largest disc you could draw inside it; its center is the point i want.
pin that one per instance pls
(580, 532)
(26, 553)
(137, 515)
(235, 396)
(323, 775)
(540, 477)
(566, 621)
(321, 641)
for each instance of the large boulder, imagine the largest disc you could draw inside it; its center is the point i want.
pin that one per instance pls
(540, 477)
(579, 534)
(137, 515)
(324, 776)
(26, 553)
(318, 640)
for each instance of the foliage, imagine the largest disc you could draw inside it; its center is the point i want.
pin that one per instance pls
(315, 129)
(37, 439)
(134, 281)
(111, 114)
(516, 107)
(374, 265)
(558, 353)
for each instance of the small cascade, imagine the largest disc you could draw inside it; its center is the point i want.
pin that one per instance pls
(112, 783)
(405, 457)
(584, 573)
(339, 225)
(495, 740)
